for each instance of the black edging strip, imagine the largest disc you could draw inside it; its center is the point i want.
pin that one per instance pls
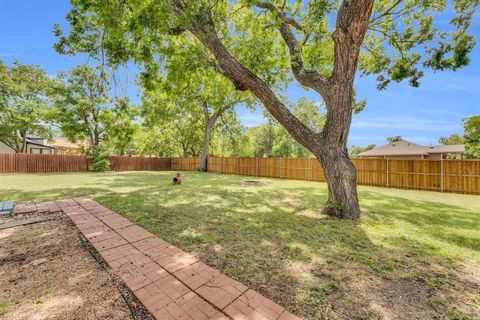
(139, 312)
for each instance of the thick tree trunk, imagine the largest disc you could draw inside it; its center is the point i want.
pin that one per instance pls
(341, 177)
(206, 142)
(340, 173)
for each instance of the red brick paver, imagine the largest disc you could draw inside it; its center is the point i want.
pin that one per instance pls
(169, 282)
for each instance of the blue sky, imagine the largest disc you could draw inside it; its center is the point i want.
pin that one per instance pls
(421, 115)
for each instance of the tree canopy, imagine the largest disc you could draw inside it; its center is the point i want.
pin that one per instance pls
(355, 150)
(472, 137)
(86, 110)
(190, 85)
(82, 104)
(394, 139)
(452, 139)
(24, 104)
(402, 37)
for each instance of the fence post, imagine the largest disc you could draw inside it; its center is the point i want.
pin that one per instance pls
(280, 168)
(442, 175)
(388, 176)
(256, 169)
(221, 165)
(309, 168)
(238, 166)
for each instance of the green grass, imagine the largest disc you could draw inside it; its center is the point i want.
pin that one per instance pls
(5, 306)
(274, 239)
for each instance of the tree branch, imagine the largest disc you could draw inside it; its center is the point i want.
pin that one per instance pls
(393, 41)
(226, 107)
(244, 79)
(386, 12)
(306, 77)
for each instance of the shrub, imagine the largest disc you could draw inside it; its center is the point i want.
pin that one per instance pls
(100, 159)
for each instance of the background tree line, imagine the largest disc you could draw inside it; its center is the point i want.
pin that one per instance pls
(81, 106)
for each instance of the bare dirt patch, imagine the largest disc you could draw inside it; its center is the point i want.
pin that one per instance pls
(252, 183)
(402, 297)
(46, 273)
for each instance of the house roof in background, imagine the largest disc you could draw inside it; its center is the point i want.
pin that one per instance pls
(65, 143)
(38, 142)
(404, 147)
(401, 147)
(453, 148)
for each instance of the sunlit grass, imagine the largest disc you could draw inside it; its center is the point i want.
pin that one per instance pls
(274, 238)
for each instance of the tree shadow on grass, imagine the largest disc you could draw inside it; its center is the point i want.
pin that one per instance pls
(257, 239)
(22, 196)
(304, 262)
(450, 225)
(421, 213)
(163, 178)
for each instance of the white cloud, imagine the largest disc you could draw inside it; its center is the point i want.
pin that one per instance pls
(379, 140)
(422, 140)
(405, 123)
(364, 138)
(396, 93)
(437, 112)
(8, 54)
(451, 82)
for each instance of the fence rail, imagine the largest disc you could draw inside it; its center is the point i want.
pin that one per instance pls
(459, 176)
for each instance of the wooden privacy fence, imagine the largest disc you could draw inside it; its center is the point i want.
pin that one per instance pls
(139, 163)
(460, 176)
(34, 163)
(38, 163)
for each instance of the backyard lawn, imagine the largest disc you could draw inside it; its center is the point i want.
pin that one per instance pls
(413, 255)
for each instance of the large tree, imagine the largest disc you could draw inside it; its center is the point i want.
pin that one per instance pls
(391, 38)
(193, 84)
(471, 126)
(24, 104)
(230, 139)
(121, 125)
(86, 109)
(169, 128)
(82, 104)
(452, 139)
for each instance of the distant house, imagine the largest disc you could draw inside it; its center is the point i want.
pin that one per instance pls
(38, 145)
(403, 149)
(64, 146)
(35, 145)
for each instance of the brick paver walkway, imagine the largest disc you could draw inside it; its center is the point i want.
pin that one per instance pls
(170, 283)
